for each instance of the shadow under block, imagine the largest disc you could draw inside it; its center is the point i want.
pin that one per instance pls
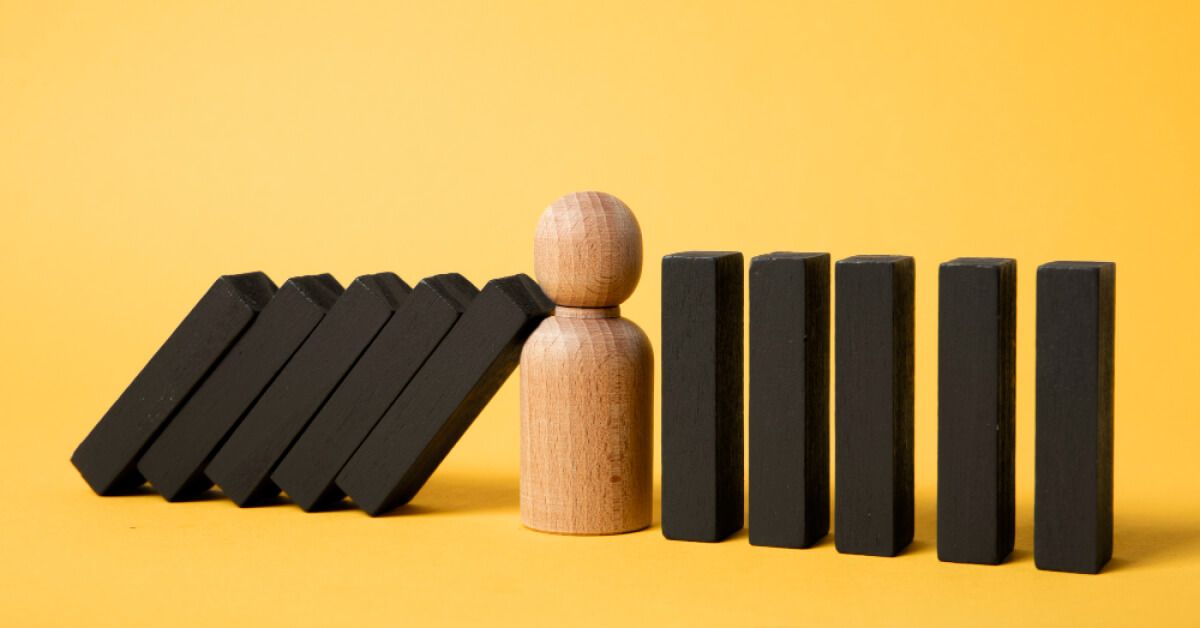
(874, 405)
(445, 396)
(308, 472)
(702, 461)
(789, 399)
(175, 463)
(976, 396)
(243, 465)
(1073, 479)
(108, 457)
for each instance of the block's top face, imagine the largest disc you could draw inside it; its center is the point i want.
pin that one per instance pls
(782, 256)
(255, 289)
(1102, 267)
(702, 256)
(879, 260)
(387, 286)
(453, 288)
(587, 250)
(980, 262)
(525, 293)
(320, 290)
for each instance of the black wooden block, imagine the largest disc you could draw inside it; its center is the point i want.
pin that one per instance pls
(874, 405)
(175, 463)
(789, 399)
(976, 395)
(243, 465)
(702, 465)
(445, 396)
(309, 470)
(108, 457)
(1073, 498)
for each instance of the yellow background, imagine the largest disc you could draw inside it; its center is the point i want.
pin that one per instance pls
(146, 147)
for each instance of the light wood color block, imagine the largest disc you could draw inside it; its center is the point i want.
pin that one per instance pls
(587, 377)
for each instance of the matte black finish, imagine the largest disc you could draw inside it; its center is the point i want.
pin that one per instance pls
(175, 463)
(108, 457)
(976, 396)
(1073, 507)
(309, 470)
(702, 460)
(874, 405)
(445, 396)
(243, 465)
(789, 399)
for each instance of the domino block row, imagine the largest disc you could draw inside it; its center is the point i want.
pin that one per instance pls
(314, 390)
(702, 434)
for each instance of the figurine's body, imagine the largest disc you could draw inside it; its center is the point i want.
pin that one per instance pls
(587, 376)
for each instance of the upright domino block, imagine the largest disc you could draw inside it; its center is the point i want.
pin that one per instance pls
(874, 405)
(445, 396)
(789, 399)
(976, 397)
(175, 463)
(243, 465)
(309, 471)
(702, 466)
(1073, 488)
(108, 457)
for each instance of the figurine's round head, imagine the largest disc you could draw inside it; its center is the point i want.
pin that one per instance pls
(588, 250)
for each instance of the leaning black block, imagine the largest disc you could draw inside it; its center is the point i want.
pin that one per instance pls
(445, 396)
(243, 465)
(308, 472)
(1073, 481)
(874, 405)
(702, 474)
(108, 457)
(789, 399)
(175, 463)
(976, 396)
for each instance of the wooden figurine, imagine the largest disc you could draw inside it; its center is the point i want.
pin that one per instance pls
(587, 376)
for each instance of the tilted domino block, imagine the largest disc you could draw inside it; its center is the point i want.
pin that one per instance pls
(175, 463)
(1073, 485)
(873, 385)
(445, 396)
(308, 472)
(976, 399)
(789, 399)
(702, 440)
(243, 465)
(108, 457)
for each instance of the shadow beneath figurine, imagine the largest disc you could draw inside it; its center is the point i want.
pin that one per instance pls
(1143, 542)
(448, 493)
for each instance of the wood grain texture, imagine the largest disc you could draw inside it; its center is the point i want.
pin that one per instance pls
(789, 399)
(702, 433)
(445, 396)
(1073, 481)
(588, 250)
(874, 405)
(175, 463)
(586, 424)
(107, 458)
(243, 465)
(310, 468)
(976, 402)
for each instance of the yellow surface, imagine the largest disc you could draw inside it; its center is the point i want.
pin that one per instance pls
(147, 147)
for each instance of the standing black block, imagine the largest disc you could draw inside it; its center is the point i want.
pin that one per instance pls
(108, 457)
(175, 463)
(309, 470)
(243, 465)
(445, 396)
(702, 465)
(976, 395)
(789, 399)
(874, 405)
(1073, 499)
